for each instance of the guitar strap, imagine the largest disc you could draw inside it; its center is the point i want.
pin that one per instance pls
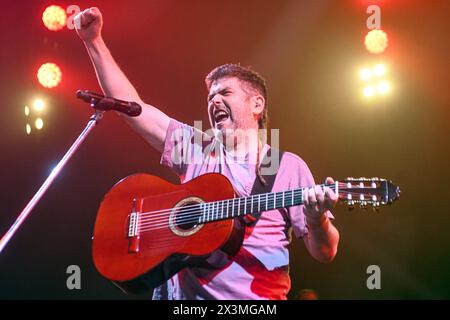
(258, 186)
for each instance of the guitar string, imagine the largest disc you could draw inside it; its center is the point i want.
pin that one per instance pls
(205, 211)
(152, 213)
(185, 221)
(164, 212)
(186, 209)
(162, 224)
(209, 205)
(213, 207)
(165, 240)
(194, 216)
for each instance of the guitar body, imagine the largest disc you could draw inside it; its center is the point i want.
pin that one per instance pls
(161, 246)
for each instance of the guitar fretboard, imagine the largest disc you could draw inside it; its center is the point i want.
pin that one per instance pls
(230, 208)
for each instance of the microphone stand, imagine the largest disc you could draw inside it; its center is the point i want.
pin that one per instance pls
(95, 118)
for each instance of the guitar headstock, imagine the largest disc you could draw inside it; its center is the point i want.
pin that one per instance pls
(367, 192)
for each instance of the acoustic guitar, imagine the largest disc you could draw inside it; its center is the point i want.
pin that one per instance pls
(148, 229)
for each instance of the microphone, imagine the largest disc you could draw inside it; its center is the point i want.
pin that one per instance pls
(104, 103)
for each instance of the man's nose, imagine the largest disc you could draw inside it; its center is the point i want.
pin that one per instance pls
(216, 100)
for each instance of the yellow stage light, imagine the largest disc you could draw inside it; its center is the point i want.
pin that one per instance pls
(365, 74)
(28, 128)
(39, 123)
(379, 69)
(376, 41)
(383, 87)
(369, 91)
(38, 105)
(49, 75)
(54, 18)
(27, 111)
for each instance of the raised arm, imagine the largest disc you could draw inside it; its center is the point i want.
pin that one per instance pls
(152, 124)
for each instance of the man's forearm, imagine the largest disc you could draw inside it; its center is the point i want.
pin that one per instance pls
(151, 123)
(322, 240)
(111, 78)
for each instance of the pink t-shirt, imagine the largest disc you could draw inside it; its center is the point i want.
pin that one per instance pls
(260, 269)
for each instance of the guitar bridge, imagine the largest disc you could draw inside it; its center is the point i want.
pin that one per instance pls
(133, 223)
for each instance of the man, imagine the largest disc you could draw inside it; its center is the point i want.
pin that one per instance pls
(236, 105)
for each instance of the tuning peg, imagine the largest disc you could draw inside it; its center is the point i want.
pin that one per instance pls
(350, 204)
(360, 204)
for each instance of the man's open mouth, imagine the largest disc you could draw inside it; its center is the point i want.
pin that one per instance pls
(220, 116)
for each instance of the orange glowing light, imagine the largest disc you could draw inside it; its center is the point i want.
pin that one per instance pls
(376, 41)
(49, 75)
(54, 18)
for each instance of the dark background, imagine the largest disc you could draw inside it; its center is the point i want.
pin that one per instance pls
(310, 53)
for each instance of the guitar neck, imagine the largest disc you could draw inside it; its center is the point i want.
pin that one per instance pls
(236, 207)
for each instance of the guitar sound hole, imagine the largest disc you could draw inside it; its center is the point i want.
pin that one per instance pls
(187, 218)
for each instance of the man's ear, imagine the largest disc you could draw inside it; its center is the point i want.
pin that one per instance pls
(258, 103)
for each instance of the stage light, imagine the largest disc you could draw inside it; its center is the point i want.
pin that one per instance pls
(365, 74)
(383, 87)
(376, 41)
(54, 18)
(39, 123)
(49, 75)
(375, 82)
(34, 115)
(379, 69)
(38, 105)
(369, 91)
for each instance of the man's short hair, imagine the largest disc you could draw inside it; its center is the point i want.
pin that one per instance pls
(246, 75)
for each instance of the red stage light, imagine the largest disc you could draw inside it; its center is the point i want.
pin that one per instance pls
(54, 18)
(49, 75)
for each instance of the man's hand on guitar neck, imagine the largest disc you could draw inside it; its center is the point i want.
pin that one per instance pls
(317, 202)
(323, 237)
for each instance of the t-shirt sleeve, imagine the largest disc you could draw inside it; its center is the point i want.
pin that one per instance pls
(184, 145)
(300, 178)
